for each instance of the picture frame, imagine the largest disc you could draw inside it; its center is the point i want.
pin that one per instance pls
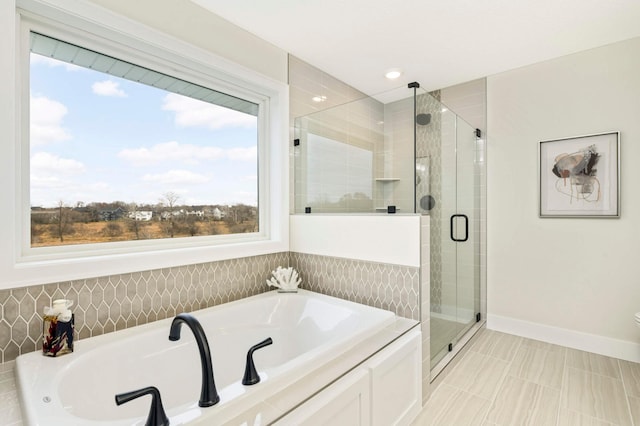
(579, 177)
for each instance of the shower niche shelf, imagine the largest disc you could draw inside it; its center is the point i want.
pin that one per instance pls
(385, 189)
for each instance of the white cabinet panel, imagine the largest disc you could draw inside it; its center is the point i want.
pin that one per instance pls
(385, 390)
(344, 403)
(396, 382)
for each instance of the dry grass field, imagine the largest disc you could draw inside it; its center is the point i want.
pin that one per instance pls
(44, 235)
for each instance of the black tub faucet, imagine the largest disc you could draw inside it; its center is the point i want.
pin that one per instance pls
(208, 393)
(156, 416)
(251, 376)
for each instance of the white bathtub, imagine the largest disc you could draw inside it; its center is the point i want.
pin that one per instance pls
(308, 330)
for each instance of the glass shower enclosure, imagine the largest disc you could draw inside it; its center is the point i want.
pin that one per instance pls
(403, 151)
(452, 152)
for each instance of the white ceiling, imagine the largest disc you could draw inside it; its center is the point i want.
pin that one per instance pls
(438, 43)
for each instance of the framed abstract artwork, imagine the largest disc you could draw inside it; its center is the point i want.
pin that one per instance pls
(580, 176)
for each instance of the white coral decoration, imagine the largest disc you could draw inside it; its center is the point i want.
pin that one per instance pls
(286, 279)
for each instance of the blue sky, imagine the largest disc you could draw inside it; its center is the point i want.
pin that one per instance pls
(98, 138)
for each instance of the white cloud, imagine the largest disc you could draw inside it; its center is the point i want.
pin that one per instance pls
(170, 151)
(46, 117)
(243, 154)
(46, 183)
(108, 88)
(192, 112)
(185, 153)
(249, 198)
(49, 166)
(52, 179)
(48, 191)
(176, 177)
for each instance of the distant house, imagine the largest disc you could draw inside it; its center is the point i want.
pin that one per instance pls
(167, 215)
(141, 215)
(217, 214)
(111, 214)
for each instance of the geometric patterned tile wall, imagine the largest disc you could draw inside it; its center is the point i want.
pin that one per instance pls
(106, 304)
(391, 287)
(429, 151)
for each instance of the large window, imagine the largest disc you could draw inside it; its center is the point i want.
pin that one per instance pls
(128, 149)
(121, 152)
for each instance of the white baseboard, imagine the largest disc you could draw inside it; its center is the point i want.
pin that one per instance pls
(615, 348)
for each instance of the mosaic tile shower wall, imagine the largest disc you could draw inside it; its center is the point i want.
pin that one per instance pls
(429, 184)
(116, 302)
(385, 286)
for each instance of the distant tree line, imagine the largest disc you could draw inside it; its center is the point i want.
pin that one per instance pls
(173, 218)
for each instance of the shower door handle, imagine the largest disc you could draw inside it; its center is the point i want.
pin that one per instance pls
(452, 220)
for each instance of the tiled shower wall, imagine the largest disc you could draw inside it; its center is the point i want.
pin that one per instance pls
(338, 155)
(307, 82)
(106, 304)
(398, 153)
(429, 164)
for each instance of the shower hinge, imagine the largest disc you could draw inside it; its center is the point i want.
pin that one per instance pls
(450, 347)
(478, 317)
(478, 133)
(296, 142)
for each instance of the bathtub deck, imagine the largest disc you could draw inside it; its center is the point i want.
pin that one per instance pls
(9, 402)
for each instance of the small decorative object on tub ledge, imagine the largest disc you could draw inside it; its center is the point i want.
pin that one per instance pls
(57, 328)
(285, 280)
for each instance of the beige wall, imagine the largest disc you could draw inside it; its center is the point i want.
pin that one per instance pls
(469, 101)
(564, 277)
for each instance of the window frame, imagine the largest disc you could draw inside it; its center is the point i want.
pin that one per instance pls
(119, 37)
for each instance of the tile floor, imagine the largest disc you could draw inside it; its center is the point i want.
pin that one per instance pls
(501, 379)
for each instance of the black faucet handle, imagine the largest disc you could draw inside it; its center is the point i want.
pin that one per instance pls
(251, 376)
(157, 416)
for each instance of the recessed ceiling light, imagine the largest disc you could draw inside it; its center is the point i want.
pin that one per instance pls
(392, 74)
(319, 98)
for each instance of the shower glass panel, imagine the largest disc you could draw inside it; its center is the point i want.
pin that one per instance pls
(455, 280)
(356, 157)
(404, 148)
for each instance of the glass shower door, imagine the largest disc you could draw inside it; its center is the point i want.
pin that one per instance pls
(455, 287)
